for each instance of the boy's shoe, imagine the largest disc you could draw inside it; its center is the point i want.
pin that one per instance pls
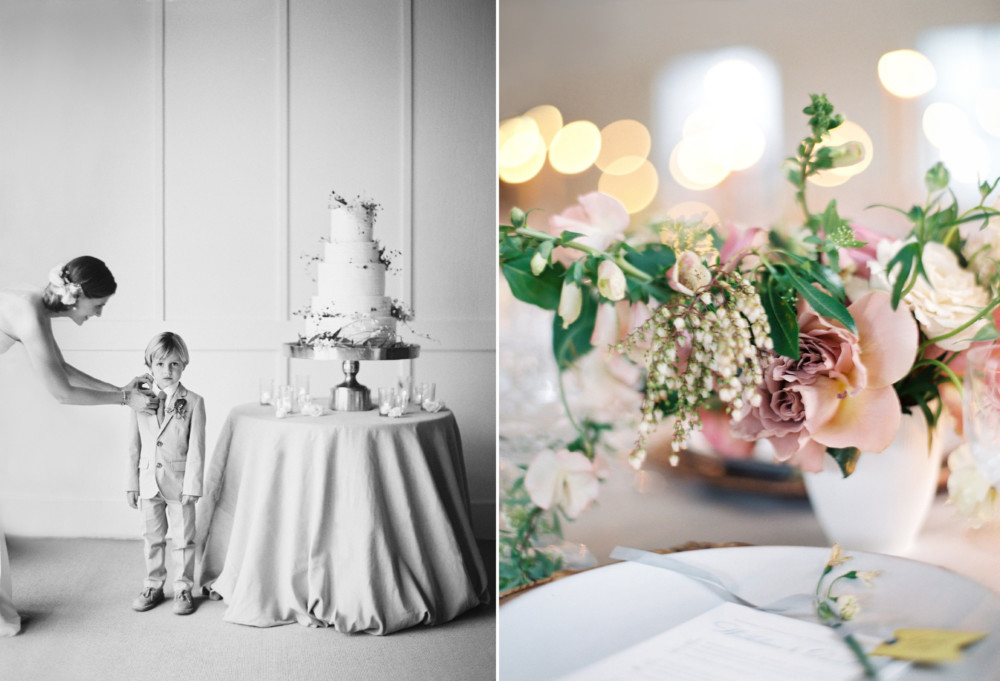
(183, 605)
(148, 599)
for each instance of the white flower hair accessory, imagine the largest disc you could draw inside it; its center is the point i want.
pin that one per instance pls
(67, 291)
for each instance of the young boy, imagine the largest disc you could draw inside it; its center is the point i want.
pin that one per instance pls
(166, 471)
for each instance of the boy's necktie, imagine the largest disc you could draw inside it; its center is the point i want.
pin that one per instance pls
(161, 408)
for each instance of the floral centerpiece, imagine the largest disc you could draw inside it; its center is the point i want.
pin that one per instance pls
(818, 339)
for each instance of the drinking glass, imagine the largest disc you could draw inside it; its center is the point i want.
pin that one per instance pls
(285, 399)
(266, 392)
(428, 391)
(302, 389)
(418, 393)
(406, 388)
(384, 401)
(981, 409)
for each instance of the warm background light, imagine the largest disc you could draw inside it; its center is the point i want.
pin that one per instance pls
(549, 120)
(692, 164)
(625, 146)
(517, 141)
(575, 147)
(945, 124)
(690, 211)
(636, 190)
(988, 110)
(848, 131)
(732, 81)
(526, 170)
(906, 73)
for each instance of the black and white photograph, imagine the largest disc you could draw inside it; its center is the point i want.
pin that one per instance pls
(247, 340)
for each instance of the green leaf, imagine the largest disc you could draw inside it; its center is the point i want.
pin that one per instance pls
(568, 236)
(572, 343)
(653, 259)
(822, 275)
(987, 333)
(846, 458)
(937, 177)
(543, 290)
(779, 305)
(905, 259)
(823, 303)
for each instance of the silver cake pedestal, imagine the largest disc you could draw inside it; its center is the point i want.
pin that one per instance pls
(350, 395)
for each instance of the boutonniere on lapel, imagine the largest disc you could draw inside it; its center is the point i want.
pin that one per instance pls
(179, 409)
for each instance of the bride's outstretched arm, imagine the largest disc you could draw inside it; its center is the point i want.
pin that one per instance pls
(55, 373)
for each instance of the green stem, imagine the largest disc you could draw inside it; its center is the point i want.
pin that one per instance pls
(982, 313)
(943, 367)
(569, 415)
(859, 653)
(626, 266)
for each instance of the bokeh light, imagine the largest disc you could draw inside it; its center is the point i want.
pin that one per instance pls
(636, 190)
(906, 73)
(732, 81)
(575, 147)
(967, 159)
(945, 124)
(625, 145)
(689, 211)
(527, 169)
(848, 131)
(988, 110)
(517, 141)
(692, 167)
(549, 120)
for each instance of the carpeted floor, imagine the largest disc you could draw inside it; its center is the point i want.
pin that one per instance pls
(75, 596)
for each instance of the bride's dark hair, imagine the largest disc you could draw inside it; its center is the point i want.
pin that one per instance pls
(93, 277)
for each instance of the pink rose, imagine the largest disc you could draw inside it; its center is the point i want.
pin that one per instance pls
(839, 392)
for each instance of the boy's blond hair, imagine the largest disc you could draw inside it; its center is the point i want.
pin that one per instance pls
(164, 344)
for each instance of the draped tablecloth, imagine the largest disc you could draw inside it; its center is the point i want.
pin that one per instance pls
(349, 520)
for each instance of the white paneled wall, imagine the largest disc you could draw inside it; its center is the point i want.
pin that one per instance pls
(192, 146)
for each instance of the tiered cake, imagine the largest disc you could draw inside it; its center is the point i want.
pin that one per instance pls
(351, 307)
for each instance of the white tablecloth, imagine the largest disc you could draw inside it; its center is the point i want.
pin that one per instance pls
(349, 520)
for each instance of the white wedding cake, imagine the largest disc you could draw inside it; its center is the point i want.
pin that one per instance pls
(350, 306)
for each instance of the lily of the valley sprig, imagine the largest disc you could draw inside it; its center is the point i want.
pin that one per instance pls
(835, 610)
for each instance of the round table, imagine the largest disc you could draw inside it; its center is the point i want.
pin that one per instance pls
(349, 519)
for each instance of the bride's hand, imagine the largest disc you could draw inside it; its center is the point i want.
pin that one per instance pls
(140, 398)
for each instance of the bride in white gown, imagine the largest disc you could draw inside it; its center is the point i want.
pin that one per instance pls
(78, 290)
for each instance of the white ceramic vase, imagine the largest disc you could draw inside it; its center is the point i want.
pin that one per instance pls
(882, 506)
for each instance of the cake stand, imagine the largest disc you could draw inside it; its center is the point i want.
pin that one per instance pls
(351, 395)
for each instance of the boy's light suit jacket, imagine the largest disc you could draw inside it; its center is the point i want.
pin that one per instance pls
(168, 458)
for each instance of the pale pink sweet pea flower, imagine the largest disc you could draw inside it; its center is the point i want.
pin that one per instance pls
(611, 323)
(599, 217)
(564, 479)
(740, 239)
(611, 280)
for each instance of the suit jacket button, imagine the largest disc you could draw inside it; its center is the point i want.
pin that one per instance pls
(159, 465)
(159, 444)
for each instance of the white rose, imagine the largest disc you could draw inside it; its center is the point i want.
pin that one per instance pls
(968, 490)
(982, 250)
(948, 300)
(565, 479)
